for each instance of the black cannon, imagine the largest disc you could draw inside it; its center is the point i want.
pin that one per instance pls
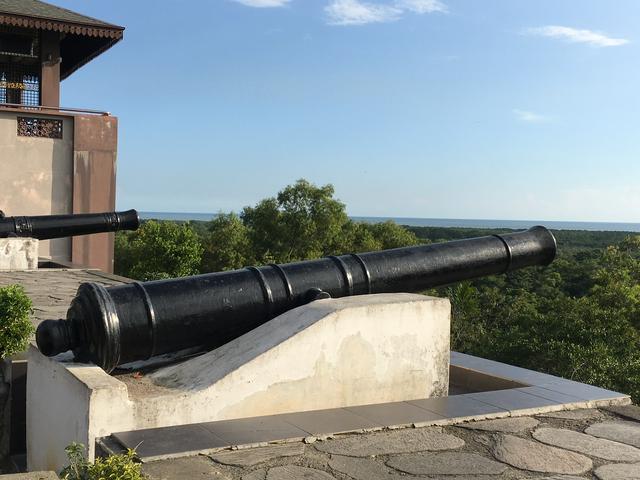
(120, 324)
(59, 226)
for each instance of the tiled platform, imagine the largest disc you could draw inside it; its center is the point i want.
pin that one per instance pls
(532, 393)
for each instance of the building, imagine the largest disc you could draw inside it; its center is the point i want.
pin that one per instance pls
(54, 160)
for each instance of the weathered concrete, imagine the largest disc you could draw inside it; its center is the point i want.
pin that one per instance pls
(536, 457)
(624, 432)
(18, 254)
(583, 443)
(397, 441)
(504, 425)
(448, 463)
(356, 351)
(37, 175)
(69, 403)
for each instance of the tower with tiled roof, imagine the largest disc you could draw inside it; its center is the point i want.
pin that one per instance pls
(54, 160)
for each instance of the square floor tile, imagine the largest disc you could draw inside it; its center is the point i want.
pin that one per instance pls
(395, 414)
(512, 400)
(169, 441)
(335, 420)
(459, 406)
(581, 390)
(245, 431)
(558, 397)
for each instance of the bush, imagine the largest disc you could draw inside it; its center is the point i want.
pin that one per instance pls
(114, 467)
(15, 326)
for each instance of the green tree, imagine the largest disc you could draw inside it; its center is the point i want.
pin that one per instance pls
(391, 235)
(226, 244)
(303, 221)
(15, 325)
(159, 250)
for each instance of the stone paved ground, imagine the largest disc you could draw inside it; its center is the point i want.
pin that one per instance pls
(580, 444)
(51, 290)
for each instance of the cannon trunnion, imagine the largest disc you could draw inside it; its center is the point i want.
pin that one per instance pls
(120, 324)
(45, 227)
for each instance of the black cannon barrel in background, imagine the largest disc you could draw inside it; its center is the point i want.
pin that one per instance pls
(120, 324)
(59, 226)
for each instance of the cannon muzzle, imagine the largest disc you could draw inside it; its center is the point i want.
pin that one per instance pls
(45, 227)
(120, 324)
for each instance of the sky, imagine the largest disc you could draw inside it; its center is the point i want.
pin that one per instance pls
(500, 109)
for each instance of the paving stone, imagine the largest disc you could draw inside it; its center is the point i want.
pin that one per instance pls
(504, 425)
(562, 477)
(536, 457)
(260, 474)
(253, 456)
(627, 411)
(182, 468)
(396, 441)
(618, 431)
(583, 443)
(618, 471)
(363, 468)
(446, 463)
(293, 472)
(581, 414)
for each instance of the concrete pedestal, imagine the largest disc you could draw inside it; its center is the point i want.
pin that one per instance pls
(330, 353)
(18, 254)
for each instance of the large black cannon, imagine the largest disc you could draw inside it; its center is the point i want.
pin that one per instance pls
(44, 227)
(115, 325)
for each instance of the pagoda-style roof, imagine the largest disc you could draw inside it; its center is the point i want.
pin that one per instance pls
(84, 37)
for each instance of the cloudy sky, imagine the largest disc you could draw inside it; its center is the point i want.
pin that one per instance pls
(496, 109)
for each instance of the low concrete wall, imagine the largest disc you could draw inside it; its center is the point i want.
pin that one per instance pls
(330, 353)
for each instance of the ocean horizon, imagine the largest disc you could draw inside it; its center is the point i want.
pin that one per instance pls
(436, 222)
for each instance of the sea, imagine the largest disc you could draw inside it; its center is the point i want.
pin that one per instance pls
(438, 222)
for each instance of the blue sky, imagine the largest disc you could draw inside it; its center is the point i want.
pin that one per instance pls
(411, 108)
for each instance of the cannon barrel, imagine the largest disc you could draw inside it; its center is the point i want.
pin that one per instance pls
(120, 324)
(44, 227)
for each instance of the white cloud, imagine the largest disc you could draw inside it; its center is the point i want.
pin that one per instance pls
(529, 117)
(357, 12)
(263, 3)
(575, 35)
(422, 6)
(354, 12)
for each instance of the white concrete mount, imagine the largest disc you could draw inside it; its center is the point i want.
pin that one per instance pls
(18, 254)
(327, 354)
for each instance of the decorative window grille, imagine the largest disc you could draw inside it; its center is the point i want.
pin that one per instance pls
(39, 127)
(19, 83)
(19, 66)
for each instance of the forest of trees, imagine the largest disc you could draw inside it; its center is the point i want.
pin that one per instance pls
(578, 318)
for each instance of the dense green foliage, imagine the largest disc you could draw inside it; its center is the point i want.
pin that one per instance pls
(114, 467)
(302, 222)
(15, 326)
(578, 318)
(158, 250)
